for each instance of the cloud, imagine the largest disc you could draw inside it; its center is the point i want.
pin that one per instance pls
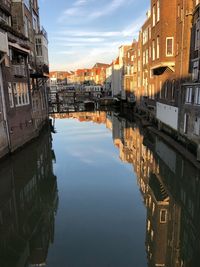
(78, 33)
(79, 39)
(91, 41)
(108, 9)
(80, 2)
(80, 9)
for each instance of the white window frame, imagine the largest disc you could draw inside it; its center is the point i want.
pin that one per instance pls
(158, 47)
(170, 38)
(154, 15)
(21, 93)
(153, 50)
(165, 215)
(188, 96)
(197, 96)
(158, 10)
(10, 95)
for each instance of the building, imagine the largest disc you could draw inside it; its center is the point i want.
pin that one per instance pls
(108, 82)
(23, 74)
(122, 65)
(116, 82)
(189, 119)
(98, 73)
(58, 77)
(130, 73)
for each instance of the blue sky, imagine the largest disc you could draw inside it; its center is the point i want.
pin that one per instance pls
(83, 32)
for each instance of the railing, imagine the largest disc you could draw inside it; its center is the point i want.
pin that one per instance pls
(43, 32)
(19, 70)
(6, 4)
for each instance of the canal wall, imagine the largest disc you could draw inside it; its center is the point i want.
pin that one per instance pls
(3, 140)
(21, 138)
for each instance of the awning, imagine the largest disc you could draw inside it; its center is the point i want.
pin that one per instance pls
(18, 47)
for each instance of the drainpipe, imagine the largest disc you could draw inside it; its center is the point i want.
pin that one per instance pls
(4, 104)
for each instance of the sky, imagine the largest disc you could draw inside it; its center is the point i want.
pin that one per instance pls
(83, 32)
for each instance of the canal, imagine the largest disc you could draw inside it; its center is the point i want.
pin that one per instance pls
(102, 191)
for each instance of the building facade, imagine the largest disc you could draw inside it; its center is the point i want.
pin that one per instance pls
(23, 73)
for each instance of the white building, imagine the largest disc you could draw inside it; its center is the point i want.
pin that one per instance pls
(116, 81)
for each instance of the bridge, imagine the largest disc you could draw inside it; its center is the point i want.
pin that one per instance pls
(71, 100)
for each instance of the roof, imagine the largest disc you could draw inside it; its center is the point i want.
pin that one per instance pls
(101, 65)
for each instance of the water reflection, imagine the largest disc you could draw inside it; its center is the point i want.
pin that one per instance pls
(28, 202)
(169, 185)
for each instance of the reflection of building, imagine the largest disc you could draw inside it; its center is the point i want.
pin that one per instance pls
(169, 185)
(28, 201)
(171, 199)
(96, 116)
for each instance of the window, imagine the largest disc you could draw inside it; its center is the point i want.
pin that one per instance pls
(21, 94)
(138, 65)
(27, 3)
(186, 119)
(173, 89)
(148, 225)
(158, 10)
(163, 216)
(38, 44)
(149, 32)
(154, 15)
(197, 96)
(197, 34)
(145, 36)
(150, 92)
(153, 91)
(182, 14)
(4, 17)
(35, 23)
(160, 89)
(188, 97)
(10, 95)
(158, 47)
(178, 11)
(197, 126)
(166, 89)
(195, 70)
(144, 58)
(153, 50)
(26, 26)
(152, 235)
(153, 208)
(147, 56)
(169, 46)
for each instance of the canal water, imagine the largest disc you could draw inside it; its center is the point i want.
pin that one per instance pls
(99, 192)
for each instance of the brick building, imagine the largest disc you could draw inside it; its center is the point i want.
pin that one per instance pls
(23, 73)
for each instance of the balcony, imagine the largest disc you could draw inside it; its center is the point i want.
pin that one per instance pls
(6, 6)
(161, 67)
(41, 71)
(19, 70)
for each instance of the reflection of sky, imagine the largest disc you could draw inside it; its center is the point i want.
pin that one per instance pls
(101, 218)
